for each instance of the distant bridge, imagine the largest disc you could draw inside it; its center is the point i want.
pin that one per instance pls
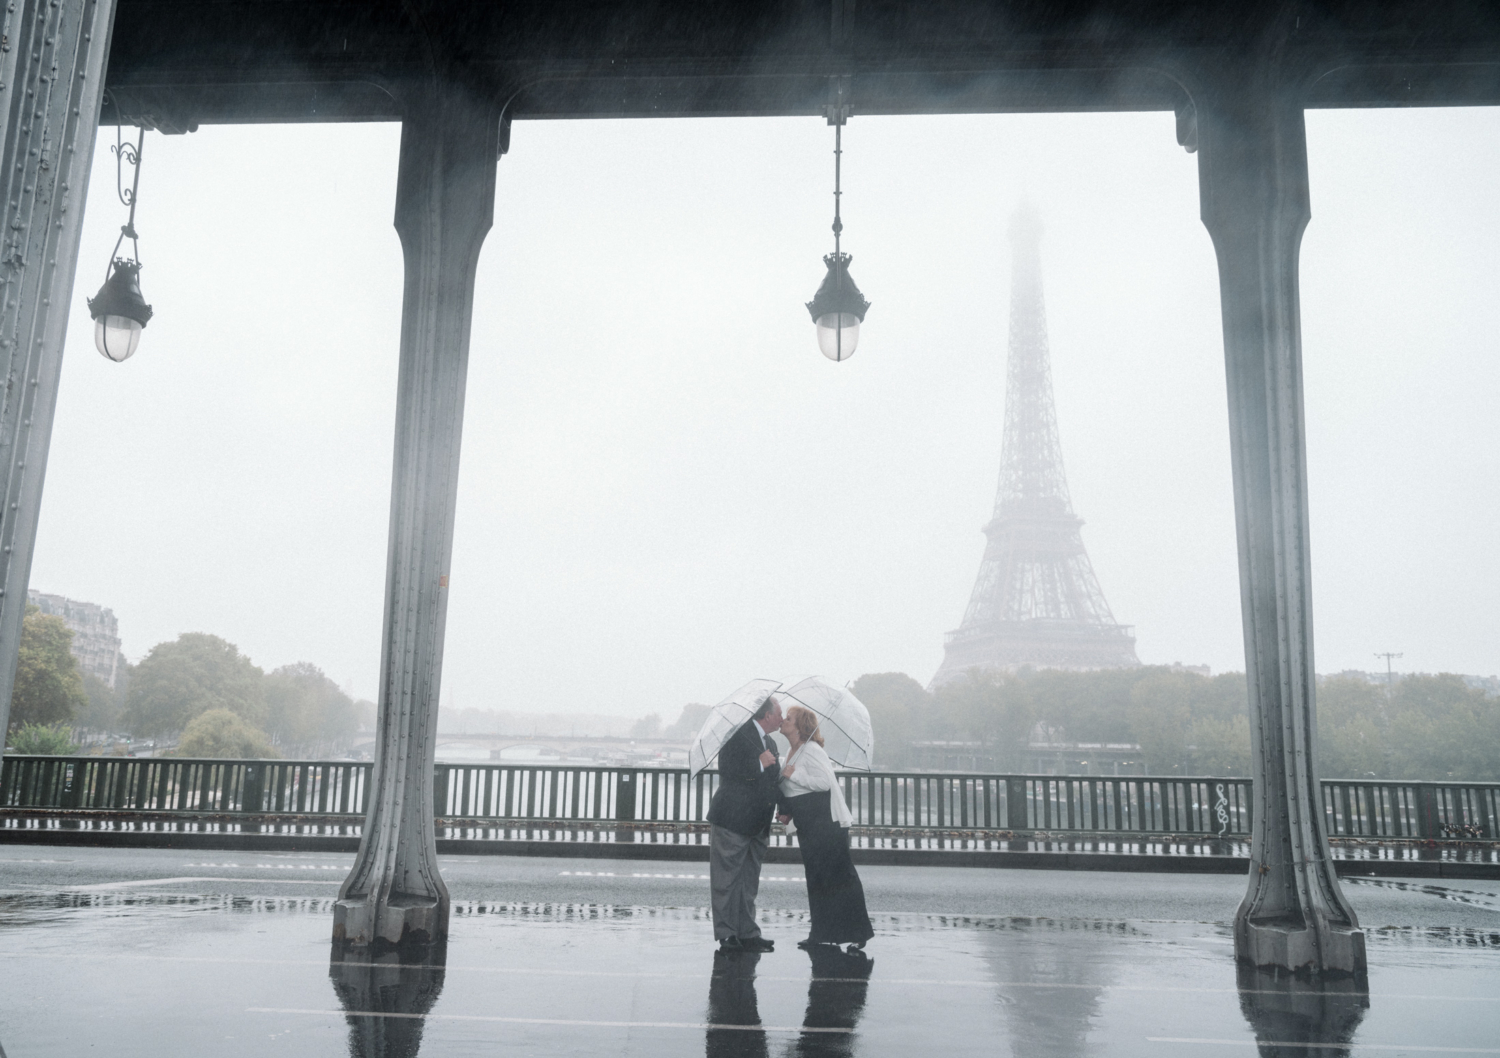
(600, 747)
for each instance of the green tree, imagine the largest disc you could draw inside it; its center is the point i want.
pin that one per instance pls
(52, 740)
(1220, 746)
(48, 687)
(1442, 728)
(899, 711)
(1161, 707)
(222, 733)
(1353, 721)
(1429, 727)
(187, 676)
(1185, 723)
(689, 722)
(102, 711)
(993, 709)
(1085, 706)
(306, 712)
(648, 726)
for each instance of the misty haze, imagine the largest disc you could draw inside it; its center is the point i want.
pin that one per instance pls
(782, 527)
(662, 493)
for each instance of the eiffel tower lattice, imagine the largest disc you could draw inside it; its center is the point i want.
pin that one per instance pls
(1036, 602)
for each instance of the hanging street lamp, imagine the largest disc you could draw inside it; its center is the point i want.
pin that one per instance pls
(119, 310)
(838, 308)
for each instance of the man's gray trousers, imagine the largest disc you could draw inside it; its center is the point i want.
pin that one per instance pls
(734, 876)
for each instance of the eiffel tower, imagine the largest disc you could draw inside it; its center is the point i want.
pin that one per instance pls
(1036, 601)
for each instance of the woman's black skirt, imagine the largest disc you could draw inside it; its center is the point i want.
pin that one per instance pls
(834, 893)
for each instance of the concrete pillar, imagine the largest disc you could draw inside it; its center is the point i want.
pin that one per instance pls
(1254, 189)
(52, 63)
(445, 195)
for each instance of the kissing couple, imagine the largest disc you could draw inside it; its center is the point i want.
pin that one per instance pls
(802, 792)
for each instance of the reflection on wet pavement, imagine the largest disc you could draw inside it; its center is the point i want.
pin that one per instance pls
(835, 999)
(181, 972)
(1296, 1017)
(734, 1026)
(386, 1001)
(1058, 985)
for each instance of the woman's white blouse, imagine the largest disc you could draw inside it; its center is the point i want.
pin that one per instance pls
(813, 773)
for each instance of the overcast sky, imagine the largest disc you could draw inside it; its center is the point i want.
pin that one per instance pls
(666, 490)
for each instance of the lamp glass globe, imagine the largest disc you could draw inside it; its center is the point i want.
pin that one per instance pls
(838, 334)
(116, 337)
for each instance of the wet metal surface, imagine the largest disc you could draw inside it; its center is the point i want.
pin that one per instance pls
(163, 953)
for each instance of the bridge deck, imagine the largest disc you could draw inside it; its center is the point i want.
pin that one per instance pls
(161, 951)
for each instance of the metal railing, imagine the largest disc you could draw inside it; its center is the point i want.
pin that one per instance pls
(261, 791)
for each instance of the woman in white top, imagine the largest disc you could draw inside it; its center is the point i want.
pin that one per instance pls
(813, 806)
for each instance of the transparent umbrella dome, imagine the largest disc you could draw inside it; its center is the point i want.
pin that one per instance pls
(724, 719)
(843, 720)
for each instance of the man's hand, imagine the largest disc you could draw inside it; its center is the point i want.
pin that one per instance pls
(767, 759)
(783, 818)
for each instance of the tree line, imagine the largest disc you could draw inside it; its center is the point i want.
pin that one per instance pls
(197, 689)
(201, 691)
(1423, 727)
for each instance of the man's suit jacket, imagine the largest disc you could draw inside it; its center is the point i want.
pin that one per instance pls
(747, 794)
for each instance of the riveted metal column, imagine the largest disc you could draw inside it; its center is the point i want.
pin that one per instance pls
(444, 205)
(1254, 188)
(52, 59)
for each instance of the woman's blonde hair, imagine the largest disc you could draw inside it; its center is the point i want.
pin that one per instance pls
(806, 722)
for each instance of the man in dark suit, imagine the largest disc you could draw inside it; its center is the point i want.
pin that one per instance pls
(739, 819)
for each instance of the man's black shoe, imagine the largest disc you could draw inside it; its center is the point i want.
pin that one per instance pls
(757, 944)
(732, 944)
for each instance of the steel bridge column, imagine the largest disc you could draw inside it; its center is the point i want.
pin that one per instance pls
(51, 85)
(445, 198)
(1254, 190)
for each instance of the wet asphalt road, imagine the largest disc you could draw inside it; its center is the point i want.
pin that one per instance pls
(913, 890)
(164, 954)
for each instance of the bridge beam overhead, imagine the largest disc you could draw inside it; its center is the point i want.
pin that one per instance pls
(178, 63)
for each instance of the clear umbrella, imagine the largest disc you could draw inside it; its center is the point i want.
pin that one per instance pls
(843, 720)
(725, 719)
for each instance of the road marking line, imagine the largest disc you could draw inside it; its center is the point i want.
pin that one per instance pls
(271, 866)
(1326, 1046)
(698, 1025)
(101, 886)
(140, 881)
(642, 874)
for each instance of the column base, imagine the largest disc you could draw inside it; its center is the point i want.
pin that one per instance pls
(1300, 950)
(399, 924)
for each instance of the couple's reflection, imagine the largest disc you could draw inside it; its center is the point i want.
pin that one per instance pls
(386, 1000)
(835, 1000)
(1297, 1016)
